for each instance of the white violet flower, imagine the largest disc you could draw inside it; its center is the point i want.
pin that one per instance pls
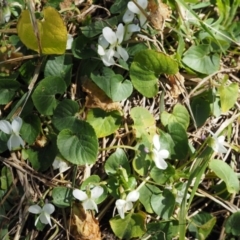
(126, 205)
(109, 45)
(15, 140)
(88, 202)
(134, 9)
(218, 145)
(130, 29)
(60, 164)
(44, 213)
(159, 154)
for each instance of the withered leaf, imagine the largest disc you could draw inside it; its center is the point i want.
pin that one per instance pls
(83, 225)
(176, 81)
(96, 98)
(159, 12)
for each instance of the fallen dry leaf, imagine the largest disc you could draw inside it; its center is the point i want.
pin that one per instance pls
(83, 225)
(96, 98)
(176, 81)
(159, 12)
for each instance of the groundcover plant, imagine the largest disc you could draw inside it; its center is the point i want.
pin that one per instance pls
(119, 119)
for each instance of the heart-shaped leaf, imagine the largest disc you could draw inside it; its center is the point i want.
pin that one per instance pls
(113, 85)
(104, 123)
(146, 68)
(78, 144)
(52, 32)
(44, 95)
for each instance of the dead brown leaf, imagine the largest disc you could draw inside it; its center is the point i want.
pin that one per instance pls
(159, 12)
(83, 225)
(96, 98)
(176, 81)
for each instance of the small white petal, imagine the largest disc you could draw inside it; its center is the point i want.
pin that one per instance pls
(107, 62)
(128, 206)
(143, 20)
(45, 218)
(164, 153)
(35, 209)
(120, 33)
(109, 35)
(80, 195)
(160, 163)
(5, 126)
(133, 7)
(90, 204)
(16, 124)
(96, 192)
(156, 142)
(103, 42)
(48, 208)
(142, 3)
(56, 163)
(221, 139)
(37, 219)
(101, 50)
(120, 204)
(63, 166)
(14, 142)
(108, 57)
(69, 41)
(133, 196)
(123, 53)
(128, 16)
(133, 28)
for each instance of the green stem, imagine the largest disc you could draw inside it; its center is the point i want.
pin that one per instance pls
(118, 146)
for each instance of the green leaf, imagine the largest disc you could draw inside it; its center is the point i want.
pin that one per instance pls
(201, 225)
(113, 84)
(81, 48)
(43, 158)
(3, 141)
(232, 224)
(119, 6)
(132, 226)
(65, 114)
(93, 29)
(179, 115)
(201, 108)
(162, 176)
(200, 59)
(144, 122)
(61, 196)
(226, 173)
(8, 89)
(146, 192)
(59, 66)
(31, 128)
(142, 160)
(104, 123)
(78, 144)
(166, 230)
(180, 139)
(116, 160)
(44, 95)
(163, 204)
(6, 178)
(228, 96)
(146, 68)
